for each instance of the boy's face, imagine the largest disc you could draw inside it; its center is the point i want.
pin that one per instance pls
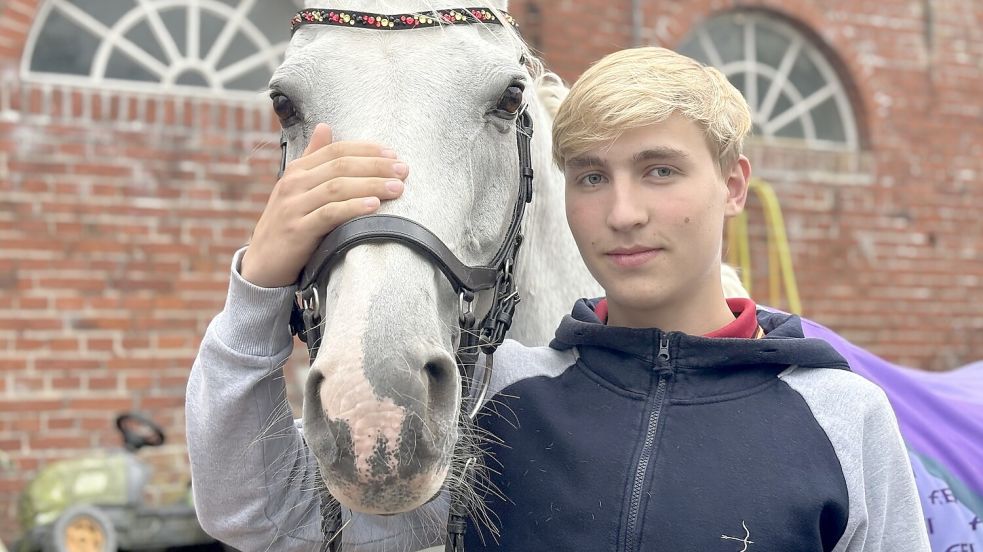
(647, 212)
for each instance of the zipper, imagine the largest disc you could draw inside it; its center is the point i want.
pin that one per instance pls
(647, 448)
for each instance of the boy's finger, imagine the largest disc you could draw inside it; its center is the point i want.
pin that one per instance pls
(319, 138)
(355, 167)
(344, 149)
(328, 217)
(343, 189)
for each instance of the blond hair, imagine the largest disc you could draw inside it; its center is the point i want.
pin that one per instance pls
(639, 87)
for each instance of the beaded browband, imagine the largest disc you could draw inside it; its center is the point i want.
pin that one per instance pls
(436, 18)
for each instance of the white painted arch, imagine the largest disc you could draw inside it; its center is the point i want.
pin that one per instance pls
(261, 58)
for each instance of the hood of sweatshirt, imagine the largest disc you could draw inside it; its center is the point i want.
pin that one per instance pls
(632, 359)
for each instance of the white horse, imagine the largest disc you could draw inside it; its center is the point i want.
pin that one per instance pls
(383, 395)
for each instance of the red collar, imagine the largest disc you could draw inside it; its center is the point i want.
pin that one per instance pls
(744, 326)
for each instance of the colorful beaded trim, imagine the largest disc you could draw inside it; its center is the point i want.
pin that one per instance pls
(461, 16)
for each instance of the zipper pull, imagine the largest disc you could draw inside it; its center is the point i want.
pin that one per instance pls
(664, 349)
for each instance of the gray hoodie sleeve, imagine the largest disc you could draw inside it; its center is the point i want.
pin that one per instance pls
(252, 474)
(885, 514)
(250, 470)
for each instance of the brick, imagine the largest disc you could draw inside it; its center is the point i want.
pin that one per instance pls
(99, 344)
(68, 383)
(43, 442)
(34, 405)
(100, 404)
(30, 324)
(68, 364)
(139, 382)
(102, 383)
(55, 424)
(151, 403)
(9, 365)
(96, 421)
(26, 424)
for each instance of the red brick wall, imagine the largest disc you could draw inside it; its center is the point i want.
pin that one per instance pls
(119, 212)
(118, 216)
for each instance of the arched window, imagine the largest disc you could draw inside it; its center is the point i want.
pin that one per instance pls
(792, 89)
(218, 46)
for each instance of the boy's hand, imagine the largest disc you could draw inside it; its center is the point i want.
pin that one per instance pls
(328, 185)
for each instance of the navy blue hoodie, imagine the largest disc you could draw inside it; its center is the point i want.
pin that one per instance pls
(638, 439)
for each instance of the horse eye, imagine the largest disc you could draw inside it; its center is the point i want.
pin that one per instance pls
(511, 99)
(284, 108)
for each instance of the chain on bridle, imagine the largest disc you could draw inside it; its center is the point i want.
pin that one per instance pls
(498, 276)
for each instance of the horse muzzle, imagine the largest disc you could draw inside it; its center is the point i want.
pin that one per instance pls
(382, 453)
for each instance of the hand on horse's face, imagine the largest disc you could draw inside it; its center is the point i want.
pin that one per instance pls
(328, 185)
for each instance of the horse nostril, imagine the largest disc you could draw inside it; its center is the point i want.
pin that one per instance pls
(441, 385)
(437, 375)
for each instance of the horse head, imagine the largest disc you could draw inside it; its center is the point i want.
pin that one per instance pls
(383, 396)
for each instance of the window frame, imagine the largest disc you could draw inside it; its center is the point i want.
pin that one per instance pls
(112, 39)
(749, 67)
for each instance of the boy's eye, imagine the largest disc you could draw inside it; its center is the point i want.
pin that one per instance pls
(593, 179)
(663, 172)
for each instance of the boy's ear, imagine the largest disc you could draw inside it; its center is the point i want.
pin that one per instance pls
(737, 181)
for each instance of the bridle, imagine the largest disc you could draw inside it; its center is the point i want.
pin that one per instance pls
(483, 335)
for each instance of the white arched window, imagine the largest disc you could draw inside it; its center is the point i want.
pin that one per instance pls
(793, 91)
(218, 46)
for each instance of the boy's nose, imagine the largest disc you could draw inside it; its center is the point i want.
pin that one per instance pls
(627, 211)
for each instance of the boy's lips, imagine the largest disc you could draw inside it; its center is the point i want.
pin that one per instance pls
(630, 257)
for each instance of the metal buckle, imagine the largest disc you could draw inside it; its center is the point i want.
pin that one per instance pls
(465, 309)
(308, 299)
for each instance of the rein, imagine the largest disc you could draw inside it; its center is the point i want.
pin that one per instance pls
(476, 336)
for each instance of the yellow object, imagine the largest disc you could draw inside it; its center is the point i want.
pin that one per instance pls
(780, 273)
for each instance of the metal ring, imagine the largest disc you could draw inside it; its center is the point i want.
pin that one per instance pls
(462, 302)
(465, 312)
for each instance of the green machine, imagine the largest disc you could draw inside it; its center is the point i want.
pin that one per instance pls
(95, 504)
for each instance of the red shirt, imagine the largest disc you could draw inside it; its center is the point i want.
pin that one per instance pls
(744, 326)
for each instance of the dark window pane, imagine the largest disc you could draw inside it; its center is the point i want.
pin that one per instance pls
(192, 78)
(211, 26)
(782, 105)
(273, 19)
(106, 11)
(805, 76)
(240, 48)
(792, 130)
(64, 47)
(176, 21)
(253, 81)
(123, 67)
(737, 79)
(829, 121)
(692, 48)
(763, 84)
(770, 46)
(143, 36)
(728, 37)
